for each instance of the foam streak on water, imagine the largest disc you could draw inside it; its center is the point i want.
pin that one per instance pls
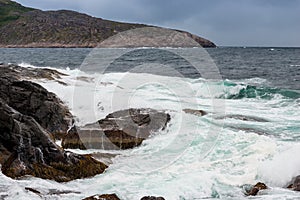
(244, 152)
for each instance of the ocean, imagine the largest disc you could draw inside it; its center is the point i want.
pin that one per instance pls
(251, 132)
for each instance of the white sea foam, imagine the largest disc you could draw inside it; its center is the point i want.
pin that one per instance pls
(193, 157)
(284, 166)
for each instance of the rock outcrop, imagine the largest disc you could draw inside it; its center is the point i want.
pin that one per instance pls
(33, 100)
(29, 27)
(119, 130)
(26, 149)
(29, 117)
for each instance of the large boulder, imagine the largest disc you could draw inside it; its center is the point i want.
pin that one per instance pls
(33, 100)
(119, 130)
(26, 149)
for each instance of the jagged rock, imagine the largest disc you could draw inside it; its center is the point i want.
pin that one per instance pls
(119, 130)
(195, 112)
(26, 149)
(152, 198)
(253, 190)
(103, 197)
(295, 184)
(33, 100)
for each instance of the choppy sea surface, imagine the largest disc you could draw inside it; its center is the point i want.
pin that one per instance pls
(250, 134)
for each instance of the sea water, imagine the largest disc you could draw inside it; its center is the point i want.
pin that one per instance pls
(250, 134)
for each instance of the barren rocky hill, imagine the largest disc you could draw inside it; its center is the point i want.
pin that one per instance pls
(27, 27)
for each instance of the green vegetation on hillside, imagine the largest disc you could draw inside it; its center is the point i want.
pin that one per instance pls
(10, 11)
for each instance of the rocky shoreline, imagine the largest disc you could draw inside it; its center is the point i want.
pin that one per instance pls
(32, 119)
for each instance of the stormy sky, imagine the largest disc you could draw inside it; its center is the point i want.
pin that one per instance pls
(225, 22)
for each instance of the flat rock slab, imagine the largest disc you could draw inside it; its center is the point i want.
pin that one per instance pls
(123, 129)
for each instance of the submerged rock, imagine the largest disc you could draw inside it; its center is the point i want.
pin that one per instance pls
(50, 192)
(256, 130)
(195, 112)
(243, 118)
(119, 130)
(253, 190)
(33, 100)
(152, 198)
(103, 197)
(35, 191)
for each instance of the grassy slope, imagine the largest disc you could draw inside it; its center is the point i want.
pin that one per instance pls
(10, 11)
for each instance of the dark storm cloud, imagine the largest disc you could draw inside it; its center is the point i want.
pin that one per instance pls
(226, 22)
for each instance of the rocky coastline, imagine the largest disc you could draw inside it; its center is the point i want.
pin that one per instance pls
(32, 119)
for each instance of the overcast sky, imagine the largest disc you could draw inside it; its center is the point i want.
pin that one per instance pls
(225, 22)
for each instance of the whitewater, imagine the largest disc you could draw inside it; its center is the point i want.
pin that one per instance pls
(185, 161)
(250, 134)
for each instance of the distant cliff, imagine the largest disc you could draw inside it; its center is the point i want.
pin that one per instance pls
(27, 27)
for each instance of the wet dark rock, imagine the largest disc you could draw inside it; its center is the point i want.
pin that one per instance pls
(295, 184)
(33, 190)
(59, 192)
(103, 197)
(195, 112)
(30, 72)
(119, 130)
(72, 140)
(33, 100)
(253, 190)
(258, 131)
(26, 149)
(152, 198)
(243, 118)
(50, 191)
